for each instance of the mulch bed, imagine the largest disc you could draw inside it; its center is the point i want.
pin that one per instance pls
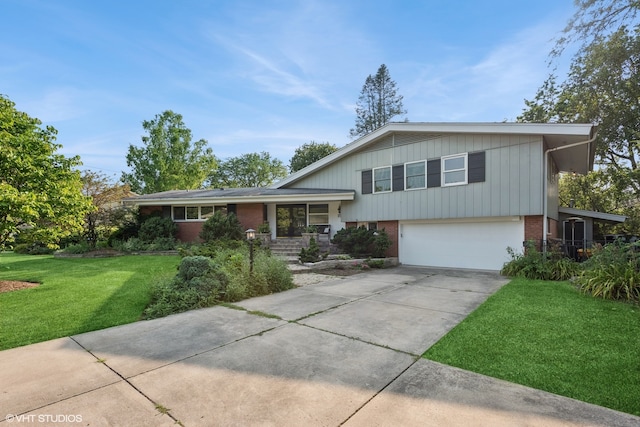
(14, 285)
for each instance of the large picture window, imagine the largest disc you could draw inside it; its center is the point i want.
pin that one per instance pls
(454, 170)
(414, 174)
(382, 179)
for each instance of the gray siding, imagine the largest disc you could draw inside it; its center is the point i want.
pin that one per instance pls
(513, 183)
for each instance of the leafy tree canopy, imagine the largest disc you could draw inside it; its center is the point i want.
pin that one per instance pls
(106, 196)
(378, 103)
(310, 153)
(168, 160)
(248, 170)
(40, 192)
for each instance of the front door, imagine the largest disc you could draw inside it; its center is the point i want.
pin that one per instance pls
(291, 220)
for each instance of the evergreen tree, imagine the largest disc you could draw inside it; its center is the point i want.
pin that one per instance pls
(378, 103)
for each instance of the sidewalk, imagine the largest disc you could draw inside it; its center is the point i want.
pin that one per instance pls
(341, 352)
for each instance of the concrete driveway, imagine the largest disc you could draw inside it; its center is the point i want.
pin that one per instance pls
(341, 352)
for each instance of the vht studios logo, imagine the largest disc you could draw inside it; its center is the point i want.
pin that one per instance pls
(43, 418)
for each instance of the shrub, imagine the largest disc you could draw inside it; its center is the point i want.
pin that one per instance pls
(612, 272)
(360, 242)
(534, 264)
(222, 226)
(199, 283)
(375, 263)
(310, 254)
(32, 249)
(202, 281)
(156, 227)
(78, 248)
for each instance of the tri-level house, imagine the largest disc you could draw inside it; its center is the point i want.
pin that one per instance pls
(448, 194)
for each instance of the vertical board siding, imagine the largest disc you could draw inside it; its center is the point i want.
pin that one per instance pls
(512, 186)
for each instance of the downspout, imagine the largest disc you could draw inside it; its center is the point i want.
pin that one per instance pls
(545, 185)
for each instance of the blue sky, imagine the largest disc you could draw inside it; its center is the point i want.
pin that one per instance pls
(252, 76)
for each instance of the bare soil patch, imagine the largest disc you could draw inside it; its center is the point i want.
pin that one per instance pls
(14, 285)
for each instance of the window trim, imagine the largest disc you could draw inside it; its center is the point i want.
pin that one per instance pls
(406, 176)
(373, 180)
(186, 207)
(465, 169)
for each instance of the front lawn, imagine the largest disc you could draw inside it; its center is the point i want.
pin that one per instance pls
(75, 295)
(548, 336)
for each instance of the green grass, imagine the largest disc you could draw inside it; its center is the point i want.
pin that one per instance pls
(548, 336)
(76, 294)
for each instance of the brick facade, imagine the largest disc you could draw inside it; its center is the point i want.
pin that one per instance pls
(391, 228)
(250, 215)
(189, 231)
(533, 228)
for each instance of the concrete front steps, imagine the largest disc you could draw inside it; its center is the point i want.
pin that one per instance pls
(290, 247)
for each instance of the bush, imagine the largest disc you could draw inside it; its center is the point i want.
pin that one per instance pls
(612, 272)
(310, 254)
(199, 283)
(156, 227)
(360, 242)
(78, 248)
(32, 249)
(202, 281)
(222, 226)
(534, 264)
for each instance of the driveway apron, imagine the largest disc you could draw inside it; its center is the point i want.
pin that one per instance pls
(340, 352)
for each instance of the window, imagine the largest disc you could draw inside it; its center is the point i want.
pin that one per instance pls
(192, 212)
(196, 213)
(382, 179)
(319, 214)
(454, 170)
(179, 213)
(206, 212)
(414, 174)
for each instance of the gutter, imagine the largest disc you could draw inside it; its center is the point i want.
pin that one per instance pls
(545, 184)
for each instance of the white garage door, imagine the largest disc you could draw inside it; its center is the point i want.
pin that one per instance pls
(475, 245)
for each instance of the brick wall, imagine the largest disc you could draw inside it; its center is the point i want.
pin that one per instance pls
(391, 227)
(250, 215)
(533, 227)
(189, 231)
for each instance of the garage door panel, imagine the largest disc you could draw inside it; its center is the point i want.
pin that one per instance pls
(476, 245)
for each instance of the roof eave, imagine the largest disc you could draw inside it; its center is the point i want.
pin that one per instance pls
(320, 197)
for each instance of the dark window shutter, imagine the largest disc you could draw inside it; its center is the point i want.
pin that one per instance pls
(476, 167)
(367, 182)
(232, 208)
(397, 174)
(433, 173)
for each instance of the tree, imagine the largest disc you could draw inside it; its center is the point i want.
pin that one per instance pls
(40, 192)
(310, 153)
(168, 160)
(603, 87)
(378, 103)
(248, 170)
(593, 19)
(108, 213)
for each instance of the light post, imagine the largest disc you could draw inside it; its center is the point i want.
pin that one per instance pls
(251, 236)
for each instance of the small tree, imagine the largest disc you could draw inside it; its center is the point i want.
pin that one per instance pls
(106, 198)
(378, 103)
